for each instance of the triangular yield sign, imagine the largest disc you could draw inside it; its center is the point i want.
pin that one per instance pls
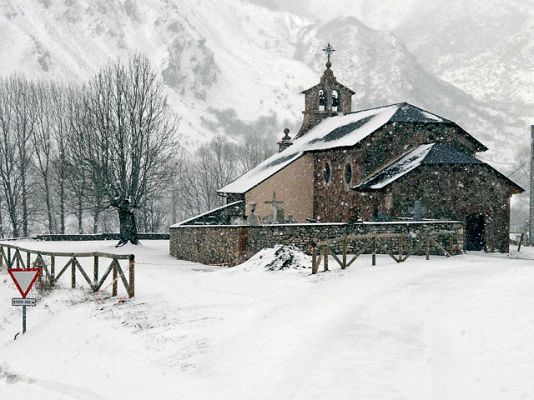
(24, 278)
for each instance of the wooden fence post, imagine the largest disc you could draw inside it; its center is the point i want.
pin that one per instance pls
(29, 260)
(131, 273)
(95, 270)
(73, 273)
(326, 248)
(344, 254)
(9, 264)
(115, 276)
(314, 259)
(427, 247)
(53, 269)
(373, 257)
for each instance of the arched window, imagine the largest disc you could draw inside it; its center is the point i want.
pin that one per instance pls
(322, 100)
(335, 100)
(327, 173)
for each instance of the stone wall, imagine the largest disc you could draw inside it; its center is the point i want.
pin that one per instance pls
(232, 244)
(335, 201)
(97, 236)
(457, 192)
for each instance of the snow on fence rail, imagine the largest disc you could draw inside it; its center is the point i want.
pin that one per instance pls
(11, 256)
(398, 246)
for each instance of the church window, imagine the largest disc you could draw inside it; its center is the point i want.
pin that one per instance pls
(327, 173)
(322, 100)
(348, 173)
(335, 100)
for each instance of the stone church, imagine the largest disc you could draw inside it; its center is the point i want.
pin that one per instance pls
(391, 163)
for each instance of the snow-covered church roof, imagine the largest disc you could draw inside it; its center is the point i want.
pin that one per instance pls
(425, 154)
(333, 132)
(432, 153)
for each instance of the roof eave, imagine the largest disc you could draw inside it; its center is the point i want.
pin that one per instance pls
(263, 180)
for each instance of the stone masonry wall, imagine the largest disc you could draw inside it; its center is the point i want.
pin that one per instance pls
(232, 244)
(96, 236)
(457, 192)
(335, 201)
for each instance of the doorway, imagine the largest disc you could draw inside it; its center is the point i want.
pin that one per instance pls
(474, 232)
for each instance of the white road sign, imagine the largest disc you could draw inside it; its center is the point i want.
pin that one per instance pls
(24, 302)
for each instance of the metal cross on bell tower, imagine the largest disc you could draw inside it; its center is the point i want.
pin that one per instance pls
(328, 50)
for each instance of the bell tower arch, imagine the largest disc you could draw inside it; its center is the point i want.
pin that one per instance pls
(326, 99)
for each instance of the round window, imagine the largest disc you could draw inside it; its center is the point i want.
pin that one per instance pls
(348, 173)
(327, 173)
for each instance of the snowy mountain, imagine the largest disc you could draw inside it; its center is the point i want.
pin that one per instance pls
(216, 60)
(237, 67)
(482, 48)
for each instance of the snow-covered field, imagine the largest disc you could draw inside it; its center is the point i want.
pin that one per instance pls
(459, 328)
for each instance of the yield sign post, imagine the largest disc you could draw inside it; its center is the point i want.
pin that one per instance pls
(24, 278)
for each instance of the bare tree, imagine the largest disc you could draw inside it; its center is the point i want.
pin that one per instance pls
(130, 139)
(42, 141)
(24, 123)
(9, 172)
(253, 151)
(215, 166)
(78, 180)
(63, 105)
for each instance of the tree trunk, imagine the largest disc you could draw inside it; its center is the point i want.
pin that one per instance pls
(62, 206)
(96, 215)
(24, 205)
(128, 226)
(80, 214)
(48, 201)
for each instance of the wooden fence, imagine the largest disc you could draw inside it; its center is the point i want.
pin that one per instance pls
(397, 245)
(12, 257)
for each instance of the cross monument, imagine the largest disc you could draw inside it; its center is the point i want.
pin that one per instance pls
(274, 204)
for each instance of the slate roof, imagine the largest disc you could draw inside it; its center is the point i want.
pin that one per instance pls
(426, 154)
(337, 132)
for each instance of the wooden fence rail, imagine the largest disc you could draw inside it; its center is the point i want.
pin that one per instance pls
(398, 246)
(11, 257)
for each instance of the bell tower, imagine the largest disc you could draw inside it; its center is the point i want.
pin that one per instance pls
(326, 99)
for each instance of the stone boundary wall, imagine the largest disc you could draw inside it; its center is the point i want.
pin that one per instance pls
(232, 244)
(98, 236)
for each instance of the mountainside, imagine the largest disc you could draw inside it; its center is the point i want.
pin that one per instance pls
(235, 67)
(212, 55)
(483, 48)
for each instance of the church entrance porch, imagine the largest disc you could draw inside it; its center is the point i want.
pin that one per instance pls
(474, 232)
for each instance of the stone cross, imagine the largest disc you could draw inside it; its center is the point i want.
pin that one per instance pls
(274, 203)
(329, 50)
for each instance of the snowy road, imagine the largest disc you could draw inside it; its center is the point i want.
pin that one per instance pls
(458, 328)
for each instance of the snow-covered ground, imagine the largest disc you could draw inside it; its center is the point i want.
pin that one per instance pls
(459, 328)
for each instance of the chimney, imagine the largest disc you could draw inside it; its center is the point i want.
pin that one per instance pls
(285, 142)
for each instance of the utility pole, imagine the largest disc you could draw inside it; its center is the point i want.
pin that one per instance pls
(531, 206)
